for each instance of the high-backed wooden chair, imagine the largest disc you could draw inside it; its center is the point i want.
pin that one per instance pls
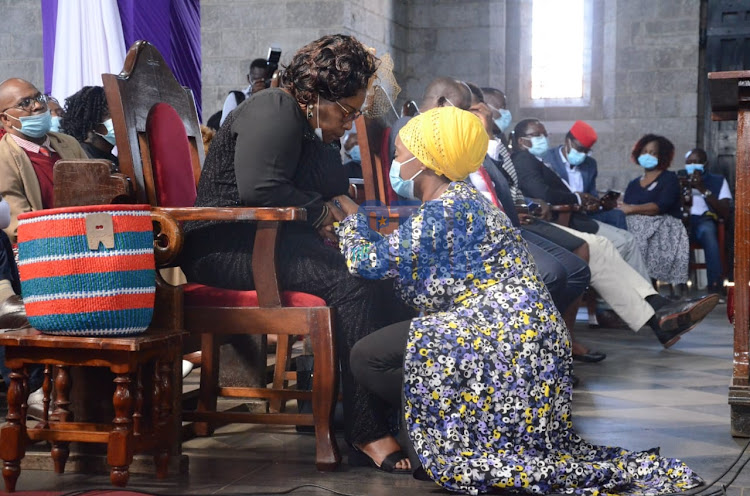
(158, 137)
(380, 199)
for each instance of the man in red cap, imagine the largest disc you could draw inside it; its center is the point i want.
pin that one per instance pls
(571, 161)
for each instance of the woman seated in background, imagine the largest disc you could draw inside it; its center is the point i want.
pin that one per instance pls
(87, 119)
(485, 370)
(653, 207)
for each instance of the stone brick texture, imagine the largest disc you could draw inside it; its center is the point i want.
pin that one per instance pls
(645, 78)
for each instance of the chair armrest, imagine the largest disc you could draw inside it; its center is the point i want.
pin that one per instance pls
(250, 214)
(89, 182)
(565, 208)
(169, 239)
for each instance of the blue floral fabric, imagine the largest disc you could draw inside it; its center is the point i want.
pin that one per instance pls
(487, 366)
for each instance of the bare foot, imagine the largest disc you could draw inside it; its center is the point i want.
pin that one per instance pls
(381, 448)
(579, 349)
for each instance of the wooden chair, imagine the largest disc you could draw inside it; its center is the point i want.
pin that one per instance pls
(159, 141)
(379, 198)
(89, 182)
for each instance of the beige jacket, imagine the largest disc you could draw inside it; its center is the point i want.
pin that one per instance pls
(18, 183)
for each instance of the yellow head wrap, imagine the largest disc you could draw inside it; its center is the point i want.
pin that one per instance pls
(450, 141)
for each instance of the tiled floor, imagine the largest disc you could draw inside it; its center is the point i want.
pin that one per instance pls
(639, 397)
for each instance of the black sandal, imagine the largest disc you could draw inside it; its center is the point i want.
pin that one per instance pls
(359, 458)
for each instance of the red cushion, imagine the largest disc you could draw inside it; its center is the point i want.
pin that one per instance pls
(198, 295)
(170, 156)
(385, 162)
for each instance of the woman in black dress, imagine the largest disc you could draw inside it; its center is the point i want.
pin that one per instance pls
(280, 148)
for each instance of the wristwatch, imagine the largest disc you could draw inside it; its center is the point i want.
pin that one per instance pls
(707, 193)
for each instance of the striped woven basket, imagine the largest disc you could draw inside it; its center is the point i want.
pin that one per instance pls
(88, 271)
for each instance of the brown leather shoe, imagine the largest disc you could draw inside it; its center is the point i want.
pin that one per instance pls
(13, 314)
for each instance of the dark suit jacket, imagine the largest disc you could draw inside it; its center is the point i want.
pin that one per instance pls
(587, 169)
(502, 189)
(536, 180)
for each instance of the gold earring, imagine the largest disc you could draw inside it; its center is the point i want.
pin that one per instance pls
(309, 110)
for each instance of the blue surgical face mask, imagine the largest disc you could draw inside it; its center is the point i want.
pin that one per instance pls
(55, 124)
(355, 154)
(575, 157)
(647, 161)
(110, 136)
(503, 122)
(34, 126)
(538, 145)
(402, 187)
(690, 168)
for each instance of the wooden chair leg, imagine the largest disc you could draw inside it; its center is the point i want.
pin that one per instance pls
(325, 386)
(120, 443)
(209, 382)
(62, 413)
(13, 433)
(283, 360)
(162, 418)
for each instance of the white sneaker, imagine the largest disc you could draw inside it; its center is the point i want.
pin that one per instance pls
(36, 398)
(186, 368)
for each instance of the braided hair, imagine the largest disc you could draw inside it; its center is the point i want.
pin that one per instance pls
(83, 111)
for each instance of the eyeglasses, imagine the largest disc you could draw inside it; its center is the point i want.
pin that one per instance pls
(349, 115)
(28, 103)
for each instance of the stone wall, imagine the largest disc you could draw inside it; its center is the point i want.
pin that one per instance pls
(234, 33)
(644, 67)
(644, 80)
(21, 39)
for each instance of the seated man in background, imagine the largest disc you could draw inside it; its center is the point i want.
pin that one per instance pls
(56, 111)
(712, 200)
(573, 163)
(537, 180)
(28, 151)
(498, 104)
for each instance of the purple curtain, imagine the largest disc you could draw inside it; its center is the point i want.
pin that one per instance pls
(174, 28)
(49, 28)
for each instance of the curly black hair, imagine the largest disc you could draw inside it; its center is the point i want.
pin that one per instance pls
(334, 66)
(83, 111)
(666, 150)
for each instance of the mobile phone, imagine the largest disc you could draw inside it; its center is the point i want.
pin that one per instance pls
(682, 173)
(535, 209)
(272, 61)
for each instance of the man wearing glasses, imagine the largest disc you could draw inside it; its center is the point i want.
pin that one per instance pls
(28, 150)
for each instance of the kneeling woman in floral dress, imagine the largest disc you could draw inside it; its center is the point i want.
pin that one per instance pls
(484, 372)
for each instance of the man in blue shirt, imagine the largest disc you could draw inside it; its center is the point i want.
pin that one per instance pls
(571, 161)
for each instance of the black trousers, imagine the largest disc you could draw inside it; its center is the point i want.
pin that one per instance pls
(566, 275)
(306, 264)
(378, 365)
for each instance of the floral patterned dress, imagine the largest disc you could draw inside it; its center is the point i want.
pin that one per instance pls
(487, 366)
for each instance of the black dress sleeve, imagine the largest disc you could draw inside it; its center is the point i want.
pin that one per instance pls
(270, 130)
